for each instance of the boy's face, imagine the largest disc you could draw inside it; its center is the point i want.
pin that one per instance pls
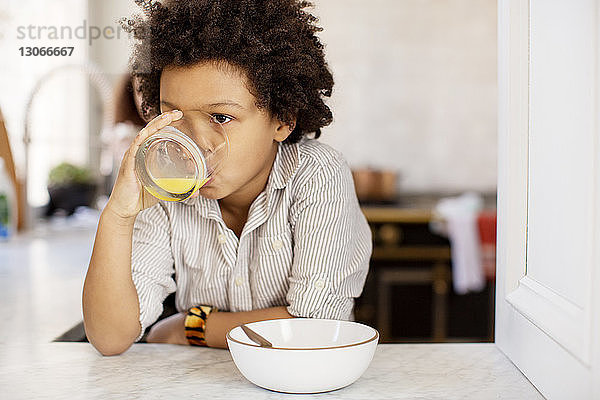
(222, 91)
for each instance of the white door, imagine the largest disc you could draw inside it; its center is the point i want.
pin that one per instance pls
(548, 290)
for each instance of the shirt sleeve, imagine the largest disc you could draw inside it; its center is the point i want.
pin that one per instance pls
(152, 263)
(332, 247)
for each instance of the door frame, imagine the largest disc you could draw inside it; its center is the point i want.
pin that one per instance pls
(524, 307)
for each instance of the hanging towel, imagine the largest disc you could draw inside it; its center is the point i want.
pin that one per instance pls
(459, 216)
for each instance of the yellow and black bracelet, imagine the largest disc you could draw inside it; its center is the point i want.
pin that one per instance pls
(195, 324)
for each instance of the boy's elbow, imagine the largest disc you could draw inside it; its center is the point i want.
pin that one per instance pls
(112, 344)
(111, 349)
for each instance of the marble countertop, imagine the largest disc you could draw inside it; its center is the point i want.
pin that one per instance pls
(41, 278)
(152, 371)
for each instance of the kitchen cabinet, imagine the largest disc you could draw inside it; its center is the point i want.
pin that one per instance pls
(408, 295)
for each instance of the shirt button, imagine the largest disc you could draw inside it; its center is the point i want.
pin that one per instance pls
(222, 238)
(277, 244)
(238, 281)
(320, 284)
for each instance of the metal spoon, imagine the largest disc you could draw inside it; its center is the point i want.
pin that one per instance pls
(255, 337)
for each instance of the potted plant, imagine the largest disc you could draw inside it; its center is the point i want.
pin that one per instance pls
(70, 187)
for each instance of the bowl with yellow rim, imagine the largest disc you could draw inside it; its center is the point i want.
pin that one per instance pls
(308, 355)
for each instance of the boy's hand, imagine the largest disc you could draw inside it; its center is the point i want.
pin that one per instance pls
(128, 197)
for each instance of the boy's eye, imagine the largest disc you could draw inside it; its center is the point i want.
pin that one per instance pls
(221, 118)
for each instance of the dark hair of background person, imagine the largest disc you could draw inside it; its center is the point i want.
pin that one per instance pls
(125, 107)
(273, 42)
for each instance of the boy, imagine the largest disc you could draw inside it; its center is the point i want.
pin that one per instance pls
(278, 233)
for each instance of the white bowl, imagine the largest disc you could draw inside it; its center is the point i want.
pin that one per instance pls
(308, 355)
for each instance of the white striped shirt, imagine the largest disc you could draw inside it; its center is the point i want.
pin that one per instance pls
(306, 245)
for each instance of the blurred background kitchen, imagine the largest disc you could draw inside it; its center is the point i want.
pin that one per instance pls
(414, 113)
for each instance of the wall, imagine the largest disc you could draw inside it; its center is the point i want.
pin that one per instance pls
(415, 89)
(111, 53)
(58, 113)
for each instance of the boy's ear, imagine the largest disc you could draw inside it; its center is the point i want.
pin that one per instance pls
(284, 130)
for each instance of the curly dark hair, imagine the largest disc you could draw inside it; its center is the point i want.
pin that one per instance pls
(273, 42)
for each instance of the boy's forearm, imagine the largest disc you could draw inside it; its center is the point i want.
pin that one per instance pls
(219, 323)
(110, 303)
(172, 329)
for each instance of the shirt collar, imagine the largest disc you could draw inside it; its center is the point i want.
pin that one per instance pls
(285, 165)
